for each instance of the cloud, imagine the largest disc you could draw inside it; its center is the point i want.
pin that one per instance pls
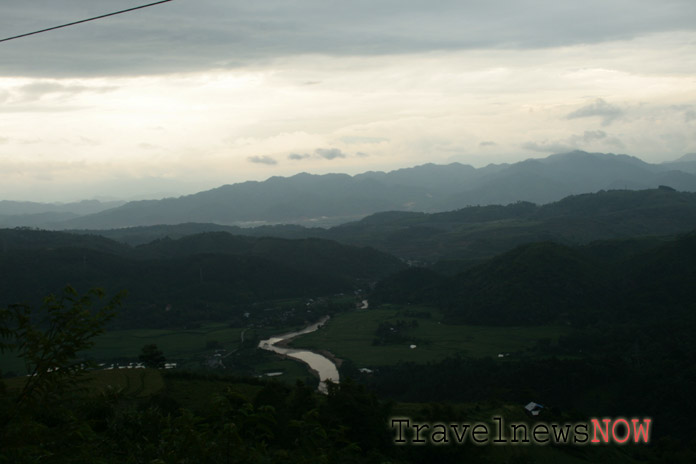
(599, 107)
(330, 153)
(353, 139)
(547, 147)
(324, 153)
(190, 36)
(690, 116)
(262, 160)
(487, 144)
(574, 142)
(590, 136)
(87, 142)
(4, 140)
(42, 88)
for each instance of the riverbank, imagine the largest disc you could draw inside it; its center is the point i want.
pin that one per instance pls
(322, 363)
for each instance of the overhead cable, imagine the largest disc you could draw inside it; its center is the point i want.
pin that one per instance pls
(85, 20)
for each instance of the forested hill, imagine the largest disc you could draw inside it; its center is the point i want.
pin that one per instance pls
(482, 231)
(196, 277)
(478, 232)
(546, 283)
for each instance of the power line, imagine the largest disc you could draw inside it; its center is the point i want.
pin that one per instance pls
(85, 20)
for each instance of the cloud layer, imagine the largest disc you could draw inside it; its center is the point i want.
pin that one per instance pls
(188, 35)
(202, 93)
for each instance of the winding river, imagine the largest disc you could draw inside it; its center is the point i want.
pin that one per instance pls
(321, 365)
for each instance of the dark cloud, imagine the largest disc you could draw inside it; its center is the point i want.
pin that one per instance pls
(689, 116)
(297, 157)
(262, 160)
(187, 35)
(598, 108)
(487, 144)
(330, 153)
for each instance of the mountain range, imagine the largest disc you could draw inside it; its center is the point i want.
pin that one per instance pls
(331, 199)
(454, 238)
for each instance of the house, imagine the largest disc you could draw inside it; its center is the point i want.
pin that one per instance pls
(533, 409)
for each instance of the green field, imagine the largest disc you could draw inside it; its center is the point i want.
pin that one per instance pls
(350, 336)
(347, 335)
(175, 344)
(188, 348)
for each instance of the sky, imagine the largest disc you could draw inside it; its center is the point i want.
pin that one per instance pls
(193, 94)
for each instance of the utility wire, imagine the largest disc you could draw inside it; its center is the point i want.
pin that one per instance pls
(85, 20)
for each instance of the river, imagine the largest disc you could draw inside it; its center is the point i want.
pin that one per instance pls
(321, 365)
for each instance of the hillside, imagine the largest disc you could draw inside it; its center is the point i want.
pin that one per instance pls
(480, 232)
(608, 282)
(476, 232)
(331, 199)
(199, 277)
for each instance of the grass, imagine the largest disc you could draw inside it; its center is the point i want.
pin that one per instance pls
(188, 348)
(350, 336)
(175, 344)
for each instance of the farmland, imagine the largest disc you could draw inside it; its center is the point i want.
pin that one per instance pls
(351, 335)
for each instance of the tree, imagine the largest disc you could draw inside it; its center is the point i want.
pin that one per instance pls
(152, 356)
(51, 339)
(39, 420)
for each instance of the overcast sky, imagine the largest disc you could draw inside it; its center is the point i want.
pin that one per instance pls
(193, 94)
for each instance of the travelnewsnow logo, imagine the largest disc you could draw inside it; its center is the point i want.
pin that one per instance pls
(596, 431)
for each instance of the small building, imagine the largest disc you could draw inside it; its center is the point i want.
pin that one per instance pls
(533, 409)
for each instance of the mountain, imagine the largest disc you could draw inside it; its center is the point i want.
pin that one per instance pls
(457, 238)
(141, 235)
(80, 208)
(686, 163)
(608, 282)
(33, 214)
(201, 276)
(479, 232)
(331, 199)
(35, 220)
(557, 176)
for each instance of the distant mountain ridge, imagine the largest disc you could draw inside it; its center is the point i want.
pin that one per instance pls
(476, 232)
(33, 214)
(332, 199)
